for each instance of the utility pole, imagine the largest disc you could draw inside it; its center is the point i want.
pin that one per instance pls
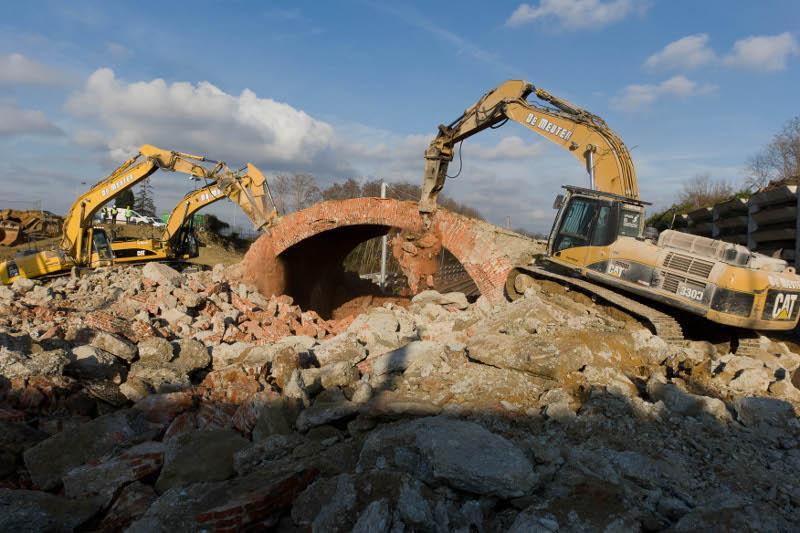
(383, 245)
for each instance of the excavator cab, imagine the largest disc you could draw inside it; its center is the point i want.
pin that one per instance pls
(589, 219)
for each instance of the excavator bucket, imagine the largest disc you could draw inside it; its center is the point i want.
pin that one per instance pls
(9, 233)
(252, 194)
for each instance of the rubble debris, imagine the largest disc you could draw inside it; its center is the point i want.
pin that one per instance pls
(549, 413)
(20, 225)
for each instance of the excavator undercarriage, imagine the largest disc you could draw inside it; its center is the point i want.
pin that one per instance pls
(666, 325)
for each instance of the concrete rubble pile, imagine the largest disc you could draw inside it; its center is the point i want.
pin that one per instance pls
(147, 400)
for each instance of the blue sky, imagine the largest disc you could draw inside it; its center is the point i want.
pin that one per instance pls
(356, 89)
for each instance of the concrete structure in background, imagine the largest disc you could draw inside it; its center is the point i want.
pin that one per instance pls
(700, 222)
(767, 222)
(772, 222)
(730, 221)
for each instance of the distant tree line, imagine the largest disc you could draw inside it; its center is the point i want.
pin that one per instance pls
(293, 192)
(699, 191)
(778, 162)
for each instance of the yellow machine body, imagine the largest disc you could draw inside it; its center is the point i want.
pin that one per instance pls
(599, 231)
(599, 237)
(53, 262)
(178, 241)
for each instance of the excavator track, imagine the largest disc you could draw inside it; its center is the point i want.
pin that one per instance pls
(660, 323)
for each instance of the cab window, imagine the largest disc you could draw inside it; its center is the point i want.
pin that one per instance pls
(576, 225)
(604, 231)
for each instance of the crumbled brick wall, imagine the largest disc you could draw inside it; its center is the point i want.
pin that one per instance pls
(487, 252)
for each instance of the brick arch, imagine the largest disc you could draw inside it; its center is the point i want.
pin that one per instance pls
(486, 251)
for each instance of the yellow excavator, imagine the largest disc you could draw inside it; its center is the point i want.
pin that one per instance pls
(83, 245)
(598, 242)
(178, 240)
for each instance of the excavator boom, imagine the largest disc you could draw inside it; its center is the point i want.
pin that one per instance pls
(585, 135)
(249, 190)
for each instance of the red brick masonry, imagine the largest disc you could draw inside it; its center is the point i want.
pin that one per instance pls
(487, 252)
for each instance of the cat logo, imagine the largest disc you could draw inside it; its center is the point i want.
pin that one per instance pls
(617, 269)
(783, 307)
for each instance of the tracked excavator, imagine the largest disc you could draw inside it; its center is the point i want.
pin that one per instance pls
(178, 240)
(598, 242)
(86, 246)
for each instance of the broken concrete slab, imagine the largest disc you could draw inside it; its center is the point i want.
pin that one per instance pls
(196, 456)
(162, 274)
(461, 454)
(29, 510)
(52, 458)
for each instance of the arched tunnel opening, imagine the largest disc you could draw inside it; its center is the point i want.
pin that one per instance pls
(335, 273)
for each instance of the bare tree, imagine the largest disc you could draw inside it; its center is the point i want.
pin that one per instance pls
(779, 160)
(342, 191)
(296, 191)
(401, 190)
(702, 191)
(371, 188)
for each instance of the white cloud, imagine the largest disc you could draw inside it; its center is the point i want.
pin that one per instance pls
(201, 118)
(577, 14)
(115, 116)
(509, 148)
(186, 116)
(16, 69)
(689, 52)
(640, 96)
(18, 121)
(763, 52)
(92, 139)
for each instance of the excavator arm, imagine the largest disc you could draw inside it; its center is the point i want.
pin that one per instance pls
(584, 135)
(248, 191)
(251, 192)
(145, 163)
